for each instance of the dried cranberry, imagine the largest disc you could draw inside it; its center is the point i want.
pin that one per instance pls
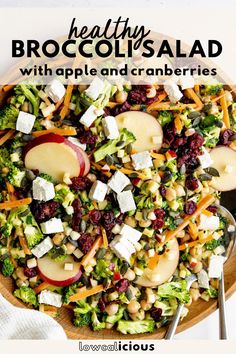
(195, 141)
(77, 215)
(116, 276)
(178, 142)
(158, 224)
(122, 285)
(85, 242)
(191, 183)
(121, 108)
(169, 133)
(87, 137)
(80, 183)
(190, 207)
(156, 313)
(225, 136)
(137, 95)
(120, 219)
(102, 304)
(213, 209)
(95, 216)
(162, 190)
(30, 272)
(107, 111)
(44, 211)
(109, 220)
(160, 213)
(192, 164)
(77, 205)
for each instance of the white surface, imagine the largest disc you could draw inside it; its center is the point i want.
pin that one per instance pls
(18, 323)
(208, 328)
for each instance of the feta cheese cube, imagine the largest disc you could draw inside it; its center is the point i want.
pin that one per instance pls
(90, 116)
(25, 122)
(77, 253)
(205, 159)
(98, 191)
(211, 223)
(141, 160)
(69, 210)
(118, 182)
(43, 190)
(203, 279)
(186, 82)
(55, 90)
(131, 234)
(172, 90)
(95, 88)
(68, 266)
(110, 127)
(42, 248)
(76, 141)
(52, 226)
(31, 263)
(215, 266)
(126, 201)
(120, 250)
(50, 298)
(48, 110)
(231, 228)
(128, 245)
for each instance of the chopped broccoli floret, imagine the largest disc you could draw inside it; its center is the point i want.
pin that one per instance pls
(175, 290)
(32, 231)
(15, 175)
(58, 254)
(46, 176)
(212, 292)
(64, 195)
(83, 320)
(68, 291)
(17, 143)
(7, 267)
(115, 318)
(103, 99)
(8, 117)
(8, 225)
(212, 89)
(102, 269)
(113, 145)
(82, 307)
(31, 93)
(27, 295)
(165, 117)
(211, 136)
(96, 324)
(135, 327)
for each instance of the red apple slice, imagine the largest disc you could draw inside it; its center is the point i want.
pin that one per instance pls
(164, 269)
(224, 161)
(145, 127)
(53, 272)
(55, 155)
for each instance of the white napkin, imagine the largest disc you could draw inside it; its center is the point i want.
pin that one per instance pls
(18, 323)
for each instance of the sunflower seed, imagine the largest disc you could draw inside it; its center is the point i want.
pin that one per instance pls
(133, 175)
(100, 253)
(205, 177)
(193, 115)
(128, 188)
(129, 149)
(145, 213)
(83, 225)
(196, 121)
(212, 171)
(120, 143)
(109, 160)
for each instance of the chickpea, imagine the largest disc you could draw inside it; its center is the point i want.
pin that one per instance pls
(121, 96)
(145, 223)
(58, 238)
(145, 305)
(198, 267)
(170, 194)
(180, 192)
(109, 325)
(82, 88)
(186, 238)
(133, 306)
(195, 285)
(70, 248)
(20, 283)
(92, 177)
(112, 309)
(196, 252)
(130, 275)
(181, 234)
(130, 220)
(194, 294)
(20, 274)
(138, 316)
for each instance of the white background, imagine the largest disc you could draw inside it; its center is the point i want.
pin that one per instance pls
(207, 329)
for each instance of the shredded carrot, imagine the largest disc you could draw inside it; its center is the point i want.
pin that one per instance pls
(194, 243)
(193, 230)
(60, 131)
(24, 245)
(207, 212)
(8, 87)
(67, 99)
(11, 191)
(15, 203)
(192, 94)
(104, 237)
(7, 136)
(95, 204)
(203, 204)
(86, 293)
(168, 106)
(158, 156)
(224, 107)
(41, 287)
(153, 261)
(99, 168)
(57, 105)
(161, 97)
(87, 258)
(178, 124)
(197, 88)
(217, 98)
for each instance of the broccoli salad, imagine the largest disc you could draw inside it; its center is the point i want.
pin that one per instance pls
(109, 195)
